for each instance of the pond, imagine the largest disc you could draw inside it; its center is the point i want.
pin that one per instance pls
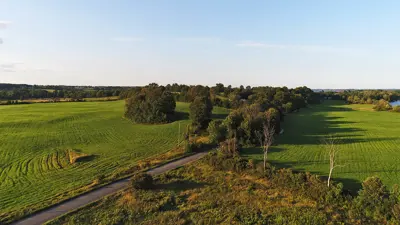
(396, 103)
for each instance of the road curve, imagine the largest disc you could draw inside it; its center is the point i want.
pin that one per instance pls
(92, 196)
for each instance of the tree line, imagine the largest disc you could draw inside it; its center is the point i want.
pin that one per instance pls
(24, 91)
(363, 96)
(380, 98)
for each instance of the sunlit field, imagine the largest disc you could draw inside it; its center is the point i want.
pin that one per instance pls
(368, 142)
(35, 141)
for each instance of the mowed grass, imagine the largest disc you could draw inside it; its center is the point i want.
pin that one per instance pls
(369, 143)
(34, 140)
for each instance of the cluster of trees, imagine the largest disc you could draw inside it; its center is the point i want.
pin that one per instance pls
(152, 104)
(383, 105)
(283, 98)
(363, 96)
(23, 91)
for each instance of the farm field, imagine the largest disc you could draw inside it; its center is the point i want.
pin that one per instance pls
(369, 143)
(35, 139)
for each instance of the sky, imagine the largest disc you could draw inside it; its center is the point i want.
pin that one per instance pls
(319, 44)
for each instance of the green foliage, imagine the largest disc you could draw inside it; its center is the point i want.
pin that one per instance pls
(142, 181)
(374, 202)
(244, 123)
(200, 112)
(217, 131)
(288, 107)
(151, 105)
(396, 109)
(382, 105)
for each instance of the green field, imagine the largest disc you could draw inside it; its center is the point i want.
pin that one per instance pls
(34, 139)
(369, 143)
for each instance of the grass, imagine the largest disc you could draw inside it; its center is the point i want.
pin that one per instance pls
(369, 143)
(35, 141)
(197, 194)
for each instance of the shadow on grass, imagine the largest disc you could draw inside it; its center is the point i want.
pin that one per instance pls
(180, 116)
(219, 116)
(180, 185)
(86, 158)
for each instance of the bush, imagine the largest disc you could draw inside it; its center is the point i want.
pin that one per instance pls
(396, 109)
(229, 147)
(382, 105)
(150, 105)
(142, 181)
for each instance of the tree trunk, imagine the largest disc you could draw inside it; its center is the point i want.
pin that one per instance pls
(330, 174)
(265, 159)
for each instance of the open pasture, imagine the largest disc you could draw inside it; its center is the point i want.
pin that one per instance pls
(368, 142)
(35, 142)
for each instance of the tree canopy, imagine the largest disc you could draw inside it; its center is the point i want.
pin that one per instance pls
(152, 104)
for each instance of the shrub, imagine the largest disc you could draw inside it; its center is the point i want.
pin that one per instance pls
(396, 109)
(372, 202)
(229, 147)
(382, 105)
(142, 181)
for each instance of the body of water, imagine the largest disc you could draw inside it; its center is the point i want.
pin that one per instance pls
(395, 103)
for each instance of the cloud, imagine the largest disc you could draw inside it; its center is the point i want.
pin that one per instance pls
(199, 39)
(12, 67)
(4, 24)
(306, 48)
(127, 39)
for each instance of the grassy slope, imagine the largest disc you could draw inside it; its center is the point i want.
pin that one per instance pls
(33, 140)
(370, 143)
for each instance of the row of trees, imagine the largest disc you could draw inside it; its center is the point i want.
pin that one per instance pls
(21, 92)
(363, 96)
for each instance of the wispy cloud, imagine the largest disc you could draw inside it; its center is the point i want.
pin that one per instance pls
(4, 24)
(199, 39)
(306, 48)
(127, 39)
(12, 67)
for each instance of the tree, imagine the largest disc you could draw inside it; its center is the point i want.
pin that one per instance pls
(151, 105)
(142, 181)
(201, 112)
(266, 138)
(288, 107)
(100, 94)
(382, 105)
(331, 147)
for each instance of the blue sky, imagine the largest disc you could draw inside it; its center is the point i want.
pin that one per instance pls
(320, 44)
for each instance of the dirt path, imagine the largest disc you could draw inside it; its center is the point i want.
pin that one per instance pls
(73, 204)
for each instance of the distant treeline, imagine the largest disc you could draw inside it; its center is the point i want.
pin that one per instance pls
(24, 91)
(363, 96)
(283, 98)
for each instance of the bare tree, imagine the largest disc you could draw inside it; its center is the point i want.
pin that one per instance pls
(331, 145)
(266, 139)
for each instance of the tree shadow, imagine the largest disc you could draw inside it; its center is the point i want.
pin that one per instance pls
(219, 116)
(180, 185)
(180, 116)
(86, 158)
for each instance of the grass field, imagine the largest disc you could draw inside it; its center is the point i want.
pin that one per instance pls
(35, 138)
(369, 143)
